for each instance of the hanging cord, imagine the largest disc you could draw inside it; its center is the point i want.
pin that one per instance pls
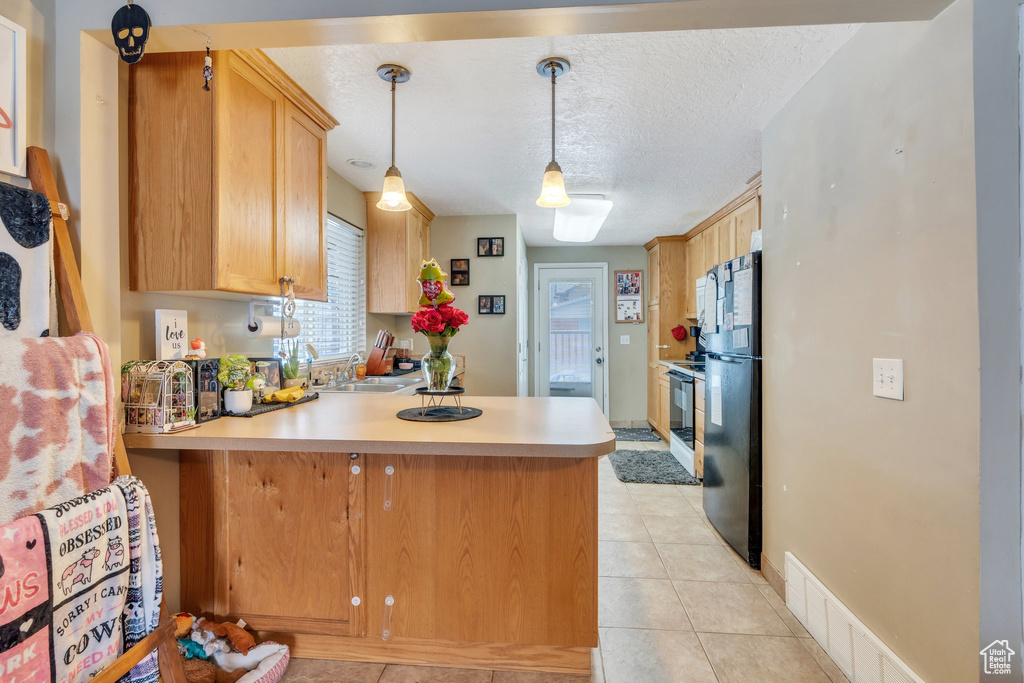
(552, 67)
(394, 83)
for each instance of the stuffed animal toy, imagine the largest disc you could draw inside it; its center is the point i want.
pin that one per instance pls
(183, 624)
(240, 639)
(433, 284)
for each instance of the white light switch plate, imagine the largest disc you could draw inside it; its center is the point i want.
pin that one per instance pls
(624, 339)
(888, 378)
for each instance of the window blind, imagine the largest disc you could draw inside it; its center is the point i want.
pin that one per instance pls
(337, 327)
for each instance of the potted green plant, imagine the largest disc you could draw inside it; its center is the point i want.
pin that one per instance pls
(237, 378)
(291, 365)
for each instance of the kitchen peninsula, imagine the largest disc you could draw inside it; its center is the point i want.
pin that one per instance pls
(349, 534)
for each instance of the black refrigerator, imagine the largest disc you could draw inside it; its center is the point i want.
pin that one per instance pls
(732, 403)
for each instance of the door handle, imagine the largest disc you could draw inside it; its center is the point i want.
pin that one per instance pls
(598, 349)
(600, 360)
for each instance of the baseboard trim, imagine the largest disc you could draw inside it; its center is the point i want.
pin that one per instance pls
(773, 576)
(426, 652)
(629, 424)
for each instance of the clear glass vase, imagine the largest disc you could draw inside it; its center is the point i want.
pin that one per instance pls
(438, 365)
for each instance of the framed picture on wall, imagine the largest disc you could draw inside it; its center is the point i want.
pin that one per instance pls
(629, 296)
(491, 304)
(490, 246)
(483, 304)
(13, 108)
(459, 272)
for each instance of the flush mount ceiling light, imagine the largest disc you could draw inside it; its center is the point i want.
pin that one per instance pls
(581, 220)
(392, 197)
(552, 192)
(361, 164)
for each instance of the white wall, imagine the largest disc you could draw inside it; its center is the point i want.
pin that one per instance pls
(488, 341)
(870, 251)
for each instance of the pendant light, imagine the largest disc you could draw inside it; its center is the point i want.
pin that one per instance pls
(392, 197)
(552, 192)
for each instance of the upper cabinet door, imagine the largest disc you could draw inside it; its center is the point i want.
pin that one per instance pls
(418, 236)
(709, 238)
(305, 171)
(250, 113)
(726, 239)
(747, 220)
(694, 264)
(654, 274)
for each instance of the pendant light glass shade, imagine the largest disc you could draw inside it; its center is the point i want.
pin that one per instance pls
(552, 192)
(392, 197)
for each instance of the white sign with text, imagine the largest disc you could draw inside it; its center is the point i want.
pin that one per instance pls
(171, 334)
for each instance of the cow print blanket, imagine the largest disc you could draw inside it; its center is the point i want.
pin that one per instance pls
(27, 295)
(80, 583)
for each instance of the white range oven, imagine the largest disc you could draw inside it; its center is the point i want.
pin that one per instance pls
(681, 415)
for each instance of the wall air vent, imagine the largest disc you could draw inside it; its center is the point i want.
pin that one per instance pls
(856, 650)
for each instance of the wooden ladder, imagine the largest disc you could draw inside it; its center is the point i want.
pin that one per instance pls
(76, 311)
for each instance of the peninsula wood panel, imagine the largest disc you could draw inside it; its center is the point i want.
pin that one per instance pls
(250, 179)
(256, 552)
(170, 147)
(483, 549)
(305, 168)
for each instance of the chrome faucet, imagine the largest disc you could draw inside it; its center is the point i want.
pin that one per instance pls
(349, 371)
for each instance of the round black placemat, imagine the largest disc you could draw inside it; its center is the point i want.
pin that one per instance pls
(439, 414)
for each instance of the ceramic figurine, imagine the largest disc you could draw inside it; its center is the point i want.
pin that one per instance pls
(433, 283)
(198, 350)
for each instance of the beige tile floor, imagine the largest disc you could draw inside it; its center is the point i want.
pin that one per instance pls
(675, 605)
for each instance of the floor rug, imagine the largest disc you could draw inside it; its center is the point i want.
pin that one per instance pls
(625, 434)
(650, 467)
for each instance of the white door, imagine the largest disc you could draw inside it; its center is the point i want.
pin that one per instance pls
(523, 323)
(572, 332)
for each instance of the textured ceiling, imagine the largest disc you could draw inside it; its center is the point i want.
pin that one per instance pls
(666, 125)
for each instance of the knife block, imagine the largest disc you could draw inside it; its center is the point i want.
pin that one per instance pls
(381, 361)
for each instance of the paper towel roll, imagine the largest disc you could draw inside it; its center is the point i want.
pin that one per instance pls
(269, 327)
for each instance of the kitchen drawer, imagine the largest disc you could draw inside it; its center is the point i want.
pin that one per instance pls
(698, 394)
(698, 459)
(698, 419)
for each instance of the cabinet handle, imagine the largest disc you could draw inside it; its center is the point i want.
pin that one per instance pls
(389, 610)
(661, 346)
(389, 485)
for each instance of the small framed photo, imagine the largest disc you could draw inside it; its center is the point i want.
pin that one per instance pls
(271, 369)
(460, 272)
(483, 304)
(490, 246)
(498, 304)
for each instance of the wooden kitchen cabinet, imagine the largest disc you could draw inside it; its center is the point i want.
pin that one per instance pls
(694, 271)
(654, 274)
(746, 220)
(228, 187)
(653, 397)
(481, 549)
(397, 242)
(247, 518)
(666, 257)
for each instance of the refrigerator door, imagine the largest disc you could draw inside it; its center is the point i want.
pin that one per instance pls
(732, 453)
(739, 312)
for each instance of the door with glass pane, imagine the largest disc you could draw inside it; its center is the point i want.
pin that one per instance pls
(571, 344)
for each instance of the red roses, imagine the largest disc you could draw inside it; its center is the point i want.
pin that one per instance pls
(444, 319)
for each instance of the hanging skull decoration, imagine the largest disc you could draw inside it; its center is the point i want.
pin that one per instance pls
(130, 27)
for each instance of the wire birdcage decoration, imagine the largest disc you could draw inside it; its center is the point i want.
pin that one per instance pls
(159, 396)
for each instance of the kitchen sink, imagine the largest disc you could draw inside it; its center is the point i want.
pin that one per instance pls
(365, 388)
